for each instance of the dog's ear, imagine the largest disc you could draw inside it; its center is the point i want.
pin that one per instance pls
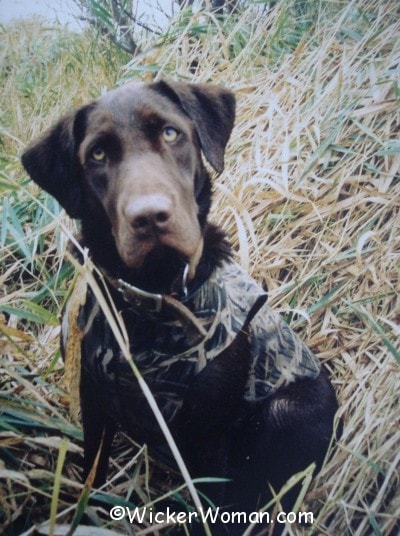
(212, 110)
(52, 161)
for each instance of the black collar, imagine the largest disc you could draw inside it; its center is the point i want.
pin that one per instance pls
(163, 304)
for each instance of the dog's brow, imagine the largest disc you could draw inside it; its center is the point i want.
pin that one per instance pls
(121, 112)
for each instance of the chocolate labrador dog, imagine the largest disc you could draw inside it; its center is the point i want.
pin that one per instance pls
(245, 399)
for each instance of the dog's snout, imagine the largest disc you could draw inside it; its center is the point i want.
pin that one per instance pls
(149, 213)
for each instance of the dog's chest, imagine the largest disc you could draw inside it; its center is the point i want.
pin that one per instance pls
(167, 360)
(160, 353)
(160, 346)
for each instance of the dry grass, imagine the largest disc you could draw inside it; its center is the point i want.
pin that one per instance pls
(310, 197)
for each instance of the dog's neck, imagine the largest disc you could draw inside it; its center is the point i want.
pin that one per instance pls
(164, 271)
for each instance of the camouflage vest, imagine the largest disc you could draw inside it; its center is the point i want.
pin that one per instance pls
(166, 358)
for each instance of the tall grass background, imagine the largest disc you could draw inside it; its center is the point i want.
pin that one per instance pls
(310, 198)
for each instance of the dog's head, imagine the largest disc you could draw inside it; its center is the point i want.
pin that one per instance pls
(133, 158)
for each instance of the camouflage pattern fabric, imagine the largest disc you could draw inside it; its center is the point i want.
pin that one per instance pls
(168, 362)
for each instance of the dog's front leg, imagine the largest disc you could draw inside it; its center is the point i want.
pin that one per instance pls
(211, 404)
(98, 431)
(206, 456)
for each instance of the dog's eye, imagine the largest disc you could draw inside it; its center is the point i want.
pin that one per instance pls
(98, 154)
(170, 134)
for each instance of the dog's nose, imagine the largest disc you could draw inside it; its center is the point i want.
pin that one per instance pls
(149, 213)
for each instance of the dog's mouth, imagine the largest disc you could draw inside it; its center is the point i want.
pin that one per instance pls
(154, 250)
(140, 251)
